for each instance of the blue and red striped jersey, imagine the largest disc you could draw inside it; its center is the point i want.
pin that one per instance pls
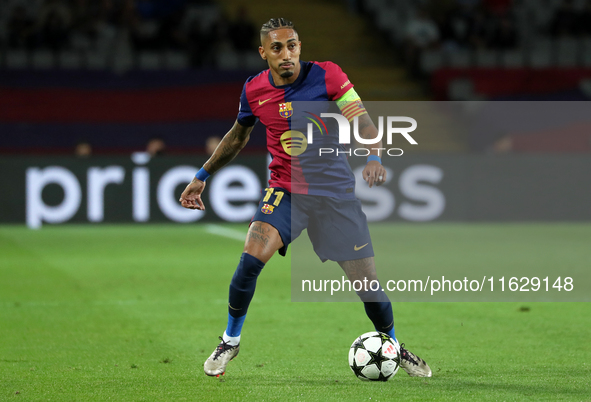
(303, 172)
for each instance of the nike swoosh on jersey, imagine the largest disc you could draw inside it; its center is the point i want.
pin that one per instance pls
(359, 248)
(261, 102)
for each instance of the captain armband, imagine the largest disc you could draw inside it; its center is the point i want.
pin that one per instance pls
(351, 105)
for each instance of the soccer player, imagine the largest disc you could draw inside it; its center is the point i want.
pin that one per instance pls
(299, 186)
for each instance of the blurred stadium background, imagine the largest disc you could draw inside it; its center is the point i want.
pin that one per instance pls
(110, 104)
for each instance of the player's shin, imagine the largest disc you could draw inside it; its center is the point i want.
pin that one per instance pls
(242, 290)
(379, 310)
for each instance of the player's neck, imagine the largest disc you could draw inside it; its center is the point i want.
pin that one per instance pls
(278, 80)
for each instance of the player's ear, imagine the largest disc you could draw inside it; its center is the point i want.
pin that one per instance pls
(262, 53)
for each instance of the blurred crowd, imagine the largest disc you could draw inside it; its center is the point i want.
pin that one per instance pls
(488, 24)
(470, 24)
(571, 21)
(498, 25)
(148, 25)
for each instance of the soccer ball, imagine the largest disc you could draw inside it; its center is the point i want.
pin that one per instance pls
(374, 356)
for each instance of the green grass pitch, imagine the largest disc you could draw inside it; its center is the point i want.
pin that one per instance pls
(131, 312)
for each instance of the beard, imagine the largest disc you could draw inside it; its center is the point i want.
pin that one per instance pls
(286, 74)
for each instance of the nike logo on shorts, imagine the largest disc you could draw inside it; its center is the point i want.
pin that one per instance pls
(360, 247)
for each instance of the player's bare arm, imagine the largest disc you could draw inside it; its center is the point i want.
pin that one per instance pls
(374, 172)
(228, 148)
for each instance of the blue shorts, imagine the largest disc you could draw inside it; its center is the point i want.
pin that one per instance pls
(337, 228)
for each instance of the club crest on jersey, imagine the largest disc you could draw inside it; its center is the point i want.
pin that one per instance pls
(267, 209)
(285, 109)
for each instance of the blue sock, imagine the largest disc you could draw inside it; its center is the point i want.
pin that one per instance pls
(234, 325)
(392, 335)
(242, 289)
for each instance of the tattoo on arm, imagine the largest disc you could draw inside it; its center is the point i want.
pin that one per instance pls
(364, 122)
(367, 130)
(228, 148)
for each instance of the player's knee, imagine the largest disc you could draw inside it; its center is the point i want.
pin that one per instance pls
(258, 252)
(370, 296)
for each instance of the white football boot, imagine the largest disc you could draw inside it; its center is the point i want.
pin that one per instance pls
(216, 364)
(413, 364)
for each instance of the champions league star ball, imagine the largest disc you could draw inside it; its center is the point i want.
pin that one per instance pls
(374, 356)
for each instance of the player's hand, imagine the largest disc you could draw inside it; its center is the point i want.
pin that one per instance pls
(191, 197)
(374, 173)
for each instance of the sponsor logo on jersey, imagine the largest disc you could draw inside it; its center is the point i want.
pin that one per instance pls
(294, 142)
(285, 109)
(267, 209)
(345, 84)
